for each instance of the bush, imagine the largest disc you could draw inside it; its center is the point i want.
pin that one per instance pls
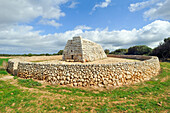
(30, 55)
(139, 50)
(119, 51)
(163, 50)
(60, 52)
(107, 51)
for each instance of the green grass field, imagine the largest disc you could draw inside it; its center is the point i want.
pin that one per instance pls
(3, 59)
(18, 95)
(3, 71)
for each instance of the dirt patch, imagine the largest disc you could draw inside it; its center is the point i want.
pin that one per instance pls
(7, 77)
(4, 57)
(165, 78)
(58, 60)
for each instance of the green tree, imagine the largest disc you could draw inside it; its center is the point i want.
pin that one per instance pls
(47, 54)
(60, 52)
(29, 54)
(139, 50)
(119, 51)
(107, 51)
(163, 50)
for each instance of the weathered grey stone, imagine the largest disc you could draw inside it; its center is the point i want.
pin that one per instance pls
(82, 50)
(62, 82)
(75, 84)
(89, 74)
(128, 76)
(100, 85)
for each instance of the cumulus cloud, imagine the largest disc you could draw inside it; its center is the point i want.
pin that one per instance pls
(50, 22)
(158, 9)
(22, 39)
(17, 11)
(101, 5)
(82, 27)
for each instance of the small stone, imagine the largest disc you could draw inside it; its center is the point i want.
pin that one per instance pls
(128, 73)
(68, 78)
(128, 77)
(110, 81)
(120, 76)
(62, 82)
(91, 82)
(159, 104)
(100, 85)
(13, 104)
(68, 74)
(80, 84)
(75, 76)
(105, 82)
(58, 77)
(95, 76)
(54, 79)
(84, 84)
(75, 84)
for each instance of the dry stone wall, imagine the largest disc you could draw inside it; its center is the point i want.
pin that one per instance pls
(91, 74)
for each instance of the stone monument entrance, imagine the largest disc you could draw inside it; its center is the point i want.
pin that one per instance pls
(82, 50)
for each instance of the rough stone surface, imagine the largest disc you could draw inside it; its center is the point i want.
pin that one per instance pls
(82, 50)
(113, 74)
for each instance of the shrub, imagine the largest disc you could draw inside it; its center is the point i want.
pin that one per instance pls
(163, 50)
(119, 51)
(139, 50)
(60, 52)
(107, 51)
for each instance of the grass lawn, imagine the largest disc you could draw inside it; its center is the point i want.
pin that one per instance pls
(18, 95)
(3, 71)
(3, 59)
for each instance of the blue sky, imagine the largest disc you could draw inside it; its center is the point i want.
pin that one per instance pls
(44, 26)
(115, 17)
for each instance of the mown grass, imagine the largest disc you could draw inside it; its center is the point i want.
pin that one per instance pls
(28, 83)
(150, 96)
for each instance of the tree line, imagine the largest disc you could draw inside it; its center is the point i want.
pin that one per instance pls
(162, 50)
(30, 54)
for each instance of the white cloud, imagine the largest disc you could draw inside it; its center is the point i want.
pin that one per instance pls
(50, 22)
(22, 39)
(82, 27)
(101, 5)
(141, 5)
(17, 11)
(158, 9)
(73, 4)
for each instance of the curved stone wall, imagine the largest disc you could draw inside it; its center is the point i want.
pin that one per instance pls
(89, 74)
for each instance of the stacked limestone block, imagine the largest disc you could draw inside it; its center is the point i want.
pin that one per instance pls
(92, 74)
(81, 50)
(13, 66)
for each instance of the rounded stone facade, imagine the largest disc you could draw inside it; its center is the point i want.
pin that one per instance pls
(101, 75)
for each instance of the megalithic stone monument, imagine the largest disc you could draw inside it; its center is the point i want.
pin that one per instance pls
(82, 50)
